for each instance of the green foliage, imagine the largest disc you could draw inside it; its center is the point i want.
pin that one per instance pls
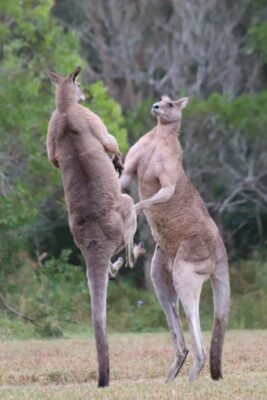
(56, 296)
(52, 300)
(246, 114)
(32, 44)
(51, 294)
(138, 121)
(14, 328)
(132, 309)
(38, 277)
(249, 287)
(258, 36)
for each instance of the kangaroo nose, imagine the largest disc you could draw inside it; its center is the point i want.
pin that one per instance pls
(155, 106)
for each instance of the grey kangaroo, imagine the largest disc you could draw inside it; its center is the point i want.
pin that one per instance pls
(189, 248)
(102, 220)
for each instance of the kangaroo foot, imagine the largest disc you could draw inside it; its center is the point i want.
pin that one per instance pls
(139, 250)
(196, 368)
(176, 366)
(114, 267)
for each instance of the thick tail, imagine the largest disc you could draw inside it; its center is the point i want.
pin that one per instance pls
(221, 296)
(97, 267)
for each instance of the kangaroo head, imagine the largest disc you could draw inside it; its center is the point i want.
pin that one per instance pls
(168, 110)
(67, 88)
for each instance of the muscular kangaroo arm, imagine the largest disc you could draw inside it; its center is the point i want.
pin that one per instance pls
(99, 130)
(108, 141)
(163, 195)
(130, 166)
(125, 180)
(111, 145)
(51, 149)
(168, 183)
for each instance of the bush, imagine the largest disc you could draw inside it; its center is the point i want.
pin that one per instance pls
(56, 296)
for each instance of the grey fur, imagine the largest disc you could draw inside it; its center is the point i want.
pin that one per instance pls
(101, 219)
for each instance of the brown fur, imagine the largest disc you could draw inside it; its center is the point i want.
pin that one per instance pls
(101, 219)
(189, 248)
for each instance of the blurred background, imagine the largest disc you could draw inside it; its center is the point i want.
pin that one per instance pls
(131, 52)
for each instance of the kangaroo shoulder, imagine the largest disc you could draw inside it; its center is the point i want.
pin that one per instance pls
(145, 140)
(93, 119)
(52, 125)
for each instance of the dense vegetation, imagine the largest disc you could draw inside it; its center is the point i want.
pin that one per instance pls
(214, 51)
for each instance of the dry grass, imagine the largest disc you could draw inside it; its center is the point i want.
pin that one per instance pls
(66, 369)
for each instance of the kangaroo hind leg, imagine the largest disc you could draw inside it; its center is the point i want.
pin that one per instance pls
(163, 284)
(188, 285)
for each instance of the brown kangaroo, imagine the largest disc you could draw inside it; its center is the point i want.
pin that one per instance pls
(102, 219)
(189, 248)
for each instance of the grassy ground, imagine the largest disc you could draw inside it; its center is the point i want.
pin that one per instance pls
(66, 369)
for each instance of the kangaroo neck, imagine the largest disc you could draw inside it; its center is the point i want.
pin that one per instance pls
(168, 130)
(64, 99)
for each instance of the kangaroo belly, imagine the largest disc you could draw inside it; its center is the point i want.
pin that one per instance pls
(190, 233)
(164, 231)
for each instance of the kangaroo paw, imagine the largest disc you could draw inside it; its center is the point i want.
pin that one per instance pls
(114, 267)
(139, 250)
(196, 369)
(176, 366)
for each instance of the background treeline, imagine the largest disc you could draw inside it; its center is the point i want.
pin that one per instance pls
(131, 52)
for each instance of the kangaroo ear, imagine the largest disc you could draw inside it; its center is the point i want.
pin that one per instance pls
(182, 103)
(165, 97)
(56, 78)
(75, 73)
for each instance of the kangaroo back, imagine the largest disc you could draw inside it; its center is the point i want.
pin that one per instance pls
(78, 143)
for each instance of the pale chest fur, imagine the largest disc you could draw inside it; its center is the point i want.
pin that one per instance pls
(156, 153)
(182, 217)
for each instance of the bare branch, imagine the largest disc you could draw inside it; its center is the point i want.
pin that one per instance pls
(18, 314)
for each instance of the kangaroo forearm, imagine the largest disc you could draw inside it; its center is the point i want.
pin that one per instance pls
(112, 147)
(55, 163)
(108, 141)
(52, 158)
(51, 152)
(163, 195)
(125, 180)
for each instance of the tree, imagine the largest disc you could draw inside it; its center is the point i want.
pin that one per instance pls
(214, 50)
(33, 220)
(31, 44)
(225, 151)
(142, 48)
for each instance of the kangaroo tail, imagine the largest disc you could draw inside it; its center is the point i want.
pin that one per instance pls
(221, 296)
(97, 266)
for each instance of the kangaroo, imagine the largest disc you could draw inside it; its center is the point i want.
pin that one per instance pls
(102, 220)
(189, 248)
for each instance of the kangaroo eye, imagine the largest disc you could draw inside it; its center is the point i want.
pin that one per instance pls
(170, 104)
